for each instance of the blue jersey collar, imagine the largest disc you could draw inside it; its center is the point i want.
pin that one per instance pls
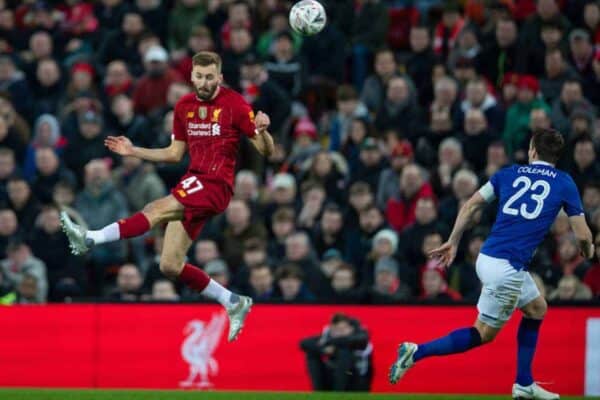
(542, 163)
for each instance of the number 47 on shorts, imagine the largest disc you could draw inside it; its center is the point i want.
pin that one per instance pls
(190, 185)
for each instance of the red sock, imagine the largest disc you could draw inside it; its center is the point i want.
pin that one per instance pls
(194, 277)
(133, 226)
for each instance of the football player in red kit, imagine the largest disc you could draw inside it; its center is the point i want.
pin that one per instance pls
(208, 123)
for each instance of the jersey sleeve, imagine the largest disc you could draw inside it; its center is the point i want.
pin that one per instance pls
(245, 119)
(179, 132)
(572, 202)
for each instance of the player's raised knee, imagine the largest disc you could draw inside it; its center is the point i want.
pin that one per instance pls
(171, 268)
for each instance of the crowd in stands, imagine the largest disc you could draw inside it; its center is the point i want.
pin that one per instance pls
(385, 123)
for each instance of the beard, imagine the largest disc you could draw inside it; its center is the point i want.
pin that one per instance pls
(206, 94)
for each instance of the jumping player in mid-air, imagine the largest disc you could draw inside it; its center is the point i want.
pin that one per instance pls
(208, 123)
(530, 197)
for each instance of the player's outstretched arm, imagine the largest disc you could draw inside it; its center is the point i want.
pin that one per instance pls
(583, 235)
(123, 146)
(447, 252)
(263, 141)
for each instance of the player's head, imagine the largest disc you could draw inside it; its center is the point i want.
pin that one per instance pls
(206, 74)
(546, 145)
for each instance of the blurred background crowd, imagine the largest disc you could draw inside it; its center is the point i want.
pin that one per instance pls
(385, 123)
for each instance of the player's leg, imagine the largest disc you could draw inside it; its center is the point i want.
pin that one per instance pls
(159, 211)
(172, 263)
(534, 308)
(498, 299)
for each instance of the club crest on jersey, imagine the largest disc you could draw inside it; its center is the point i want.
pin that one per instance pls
(202, 112)
(215, 115)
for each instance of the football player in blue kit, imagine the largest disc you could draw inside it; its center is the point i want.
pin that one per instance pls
(530, 197)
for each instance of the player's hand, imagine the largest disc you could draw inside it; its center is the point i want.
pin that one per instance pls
(445, 253)
(120, 145)
(262, 122)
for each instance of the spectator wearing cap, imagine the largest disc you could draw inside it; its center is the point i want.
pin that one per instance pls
(387, 286)
(286, 67)
(329, 230)
(48, 172)
(200, 40)
(46, 134)
(331, 260)
(556, 72)
(23, 201)
(475, 136)
(122, 43)
(306, 143)
(499, 56)
(100, 203)
(518, 114)
(462, 277)
(389, 180)
(399, 108)
(384, 245)
(263, 93)
(419, 64)
(185, 15)
(330, 170)
(348, 108)
(291, 286)
(14, 82)
(88, 144)
(571, 98)
(20, 262)
(150, 92)
(47, 87)
(371, 163)
(236, 55)
(509, 89)
(546, 11)
(581, 53)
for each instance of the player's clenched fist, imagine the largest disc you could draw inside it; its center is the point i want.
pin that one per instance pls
(120, 145)
(262, 122)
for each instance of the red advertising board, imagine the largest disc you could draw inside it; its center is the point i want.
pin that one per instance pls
(185, 346)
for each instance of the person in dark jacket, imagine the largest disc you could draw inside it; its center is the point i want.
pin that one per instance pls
(340, 359)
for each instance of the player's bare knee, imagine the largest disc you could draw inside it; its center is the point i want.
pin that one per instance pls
(171, 267)
(487, 333)
(537, 309)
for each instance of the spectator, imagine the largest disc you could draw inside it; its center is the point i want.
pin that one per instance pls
(463, 277)
(285, 67)
(467, 48)
(23, 202)
(343, 284)
(150, 92)
(476, 135)
(7, 293)
(464, 184)
(219, 271)
(500, 56)
(291, 285)
(360, 242)
(478, 98)
(360, 197)
(448, 29)
(313, 200)
(261, 283)
(9, 228)
(546, 11)
(373, 91)
(247, 188)
(388, 287)
(239, 227)
(585, 167)
(127, 123)
(46, 133)
(329, 233)
(330, 170)
(182, 18)
(400, 211)
(419, 65)
(401, 155)
(48, 87)
(299, 251)
(205, 250)
(436, 288)
(117, 80)
(19, 264)
(129, 284)
(570, 288)
(28, 290)
(399, 108)
(8, 168)
(591, 198)
(370, 165)
(441, 112)
(582, 53)
(340, 359)
(557, 72)
(48, 173)
(236, 54)
(100, 203)
(278, 23)
(552, 36)
(348, 107)
(122, 43)
(324, 56)
(9, 138)
(571, 261)
(164, 290)
(138, 182)
(14, 82)
(283, 224)
(571, 96)
(200, 39)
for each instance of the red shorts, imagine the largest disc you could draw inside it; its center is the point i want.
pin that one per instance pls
(203, 197)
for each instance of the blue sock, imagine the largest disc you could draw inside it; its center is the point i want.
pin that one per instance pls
(527, 340)
(457, 341)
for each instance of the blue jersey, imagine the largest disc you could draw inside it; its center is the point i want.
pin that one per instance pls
(530, 198)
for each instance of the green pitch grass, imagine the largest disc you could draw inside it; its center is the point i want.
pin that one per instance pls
(43, 394)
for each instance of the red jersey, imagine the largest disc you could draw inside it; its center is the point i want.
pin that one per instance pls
(212, 131)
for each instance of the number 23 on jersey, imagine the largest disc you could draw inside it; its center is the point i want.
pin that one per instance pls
(537, 191)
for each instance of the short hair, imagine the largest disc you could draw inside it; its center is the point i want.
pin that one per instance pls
(332, 207)
(549, 144)
(284, 214)
(254, 244)
(340, 317)
(206, 58)
(346, 92)
(289, 270)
